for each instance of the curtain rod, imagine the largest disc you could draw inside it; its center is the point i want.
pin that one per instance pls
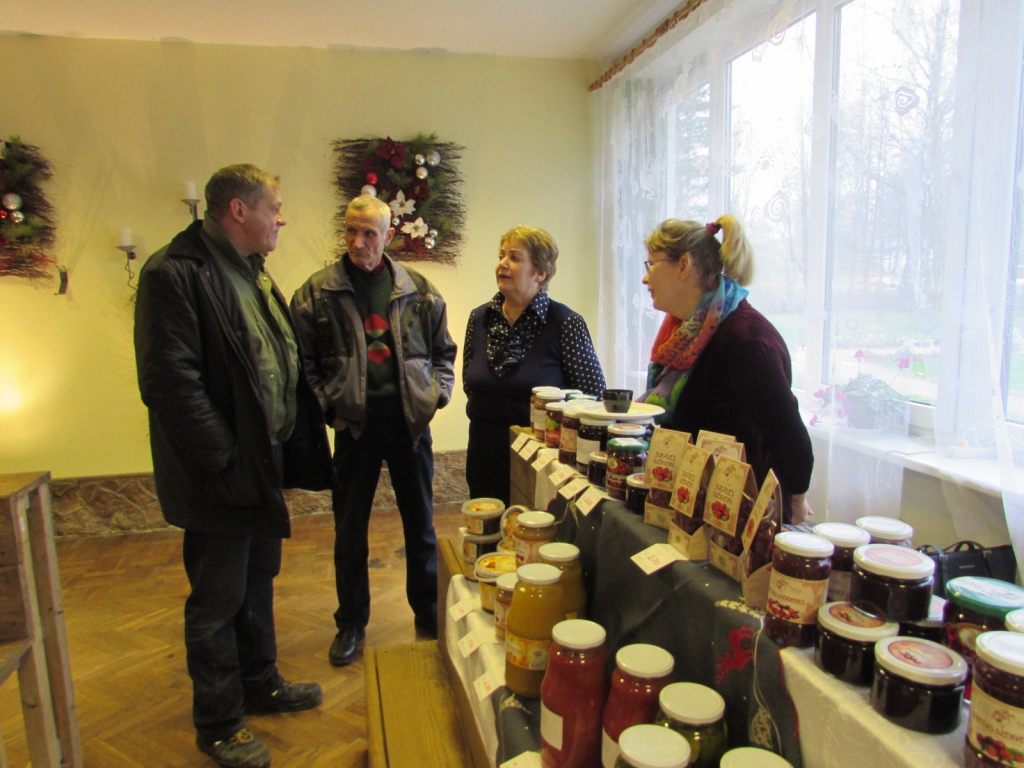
(666, 26)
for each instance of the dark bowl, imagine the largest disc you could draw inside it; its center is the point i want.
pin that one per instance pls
(618, 400)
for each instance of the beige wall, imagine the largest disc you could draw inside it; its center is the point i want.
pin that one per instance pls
(128, 123)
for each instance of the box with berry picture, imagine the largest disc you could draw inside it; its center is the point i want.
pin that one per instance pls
(686, 531)
(663, 457)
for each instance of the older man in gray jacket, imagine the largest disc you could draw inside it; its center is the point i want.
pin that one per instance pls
(379, 356)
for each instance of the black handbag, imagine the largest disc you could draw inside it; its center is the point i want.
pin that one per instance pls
(969, 558)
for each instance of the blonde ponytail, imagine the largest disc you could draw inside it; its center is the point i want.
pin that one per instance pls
(736, 254)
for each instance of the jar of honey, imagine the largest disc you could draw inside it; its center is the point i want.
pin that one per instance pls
(533, 530)
(536, 608)
(995, 732)
(503, 590)
(566, 558)
(796, 589)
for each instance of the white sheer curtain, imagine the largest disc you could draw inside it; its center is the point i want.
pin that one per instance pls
(872, 148)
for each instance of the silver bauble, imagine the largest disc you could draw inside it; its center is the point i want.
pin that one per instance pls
(17, 217)
(420, 159)
(12, 201)
(433, 158)
(369, 189)
(395, 221)
(429, 242)
(421, 172)
(432, 233)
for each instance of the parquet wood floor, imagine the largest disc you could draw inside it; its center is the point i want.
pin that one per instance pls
(124, 598)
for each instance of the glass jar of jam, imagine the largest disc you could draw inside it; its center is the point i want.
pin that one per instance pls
(797, 586)
(651, 746)
(573, 695)
(641, 671)
(1015, 621)
(933, 628)
(845, 538)
(533, 530)
(626, 455)
(846, 642)
(597, 469)
(636, 492)
(697, 713)
(592, 436)
(892, 583)
(566, 558)
(570, 428)
(503, 590)
(752, 757)
(975, 604)
(536, 608)
(487, 570)
(887, 530)
(553, 425)
(995, 732)
(626, 430)
(918, 684)
(539, 418)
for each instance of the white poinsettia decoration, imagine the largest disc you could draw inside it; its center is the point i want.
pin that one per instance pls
(400, 206)
(416, 228)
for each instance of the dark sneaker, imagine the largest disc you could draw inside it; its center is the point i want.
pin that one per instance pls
(289, 697)
(243, 750)
(426, 624)
(345, 646)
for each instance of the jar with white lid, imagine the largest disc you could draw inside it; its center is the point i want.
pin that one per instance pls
(894, 583)
(504, 588)
(933, 628)
(641, 672)
(625, 430)
(569, 433)
(697, 713)
(1015, 621)
(887, 530)
(539, 414)
(566, 558)
(995, 731)
(918, 684)
(651, 746)
(553, 425)
(846, 642)
(536, 609)
(752, 757)
(845, 538)
(533, 530)
(591, 437)
(797, 587)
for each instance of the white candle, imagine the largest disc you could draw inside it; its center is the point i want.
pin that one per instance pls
(190, 191)
(126, 236)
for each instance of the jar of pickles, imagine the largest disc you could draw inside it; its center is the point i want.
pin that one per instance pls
(597, 469)
(752, 757)
(626, 455)
(572, 695)
(892, 583)
(641, 671)
(553, 426)
(592, 437)
(846, 642)
(797, 587)
(918, 684)
(503, 590)
(570, 429)
(845, 538)
(975, 604)
(697, 713)
(533, 530)
(995, 732)
(637, 490)
(650, 746)
(566, 558)
(887, 530)
(536, 608)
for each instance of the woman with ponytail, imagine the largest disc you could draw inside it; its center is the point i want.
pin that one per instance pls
(717, 363)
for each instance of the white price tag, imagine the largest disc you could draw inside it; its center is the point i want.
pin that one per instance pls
(520, 441)
(485, 685)
(524, 760)
(542, 462)
(469, 643)
(561, 474)
(531, 447)
(656, 557)
(589, 500)
(461, 609)
(571, 490)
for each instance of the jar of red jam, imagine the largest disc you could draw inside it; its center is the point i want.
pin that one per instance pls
(887, 530)
(797, 586)
(975, 604)
(626, 456)
(570, 428)
(918, 684)
(995, 731)
(636, 493)
(641, 671)
(933, 628)
(539, 414)
(626, 430)
(572, 696)
(597, 469)
(553, 425)
(845, 538)
(592, 437)
(892, 583)
(846, 642)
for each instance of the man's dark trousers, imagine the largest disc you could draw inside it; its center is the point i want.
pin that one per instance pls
(357, 469)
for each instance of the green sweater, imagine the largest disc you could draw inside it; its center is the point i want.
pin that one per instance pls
(372, 296)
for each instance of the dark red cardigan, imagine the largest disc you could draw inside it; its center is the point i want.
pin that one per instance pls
(741, 385)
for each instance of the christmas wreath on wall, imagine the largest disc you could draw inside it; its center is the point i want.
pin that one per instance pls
(28, 228)
(419, 179)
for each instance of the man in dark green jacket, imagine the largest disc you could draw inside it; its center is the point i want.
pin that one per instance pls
(233, 421)
(379, 356)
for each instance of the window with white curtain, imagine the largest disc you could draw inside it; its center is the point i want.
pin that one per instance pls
(874, 151)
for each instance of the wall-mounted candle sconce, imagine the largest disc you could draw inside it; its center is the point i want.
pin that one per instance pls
(129, 249)
(191, 199)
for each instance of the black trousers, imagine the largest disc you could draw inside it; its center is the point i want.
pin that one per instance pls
(488, 472)
(357, 466)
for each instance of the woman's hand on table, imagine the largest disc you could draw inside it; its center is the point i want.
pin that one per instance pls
(801, 509)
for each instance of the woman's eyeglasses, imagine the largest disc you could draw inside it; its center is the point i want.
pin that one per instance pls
(647, 264)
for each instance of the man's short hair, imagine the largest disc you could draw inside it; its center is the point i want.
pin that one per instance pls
(245, 182)
(374, 205)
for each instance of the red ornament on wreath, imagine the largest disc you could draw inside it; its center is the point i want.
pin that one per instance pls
(371, 178)
(391, 151)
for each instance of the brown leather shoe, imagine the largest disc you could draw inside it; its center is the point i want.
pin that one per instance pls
(243, 750)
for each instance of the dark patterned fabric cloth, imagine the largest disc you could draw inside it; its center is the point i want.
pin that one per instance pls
(507, 344)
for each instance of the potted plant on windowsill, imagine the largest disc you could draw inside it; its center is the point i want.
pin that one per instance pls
(864, 402)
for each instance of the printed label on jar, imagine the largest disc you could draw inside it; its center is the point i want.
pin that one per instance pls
(996, 729)
(850, 615)
(528, 551)
(500, 615)
(723, 561)
(917, 653)
(567, 442)
(616, 467)
(584, 448)
(839, 586)
(609, 750)
(963, 637)
(475, 525)
(550, 727)
(795, 600)
(526, 654)
(553, 437)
